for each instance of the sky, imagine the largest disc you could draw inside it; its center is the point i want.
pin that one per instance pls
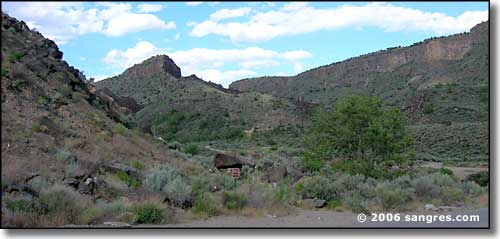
(227, 41)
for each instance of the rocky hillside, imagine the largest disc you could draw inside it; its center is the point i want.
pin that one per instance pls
(157, 85)
(447, 75)
(60, 135)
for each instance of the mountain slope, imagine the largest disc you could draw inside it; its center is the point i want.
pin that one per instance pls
(161, 91)
(449, 74)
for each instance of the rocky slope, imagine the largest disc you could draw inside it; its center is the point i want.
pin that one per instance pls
(156, 84)
(57, 130)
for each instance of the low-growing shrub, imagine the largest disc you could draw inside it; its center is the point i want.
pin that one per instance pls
(63, 154)
(119, 128)
(234, 200)
(178, 191)
(333, 204)
(357, 203)
(425, 187)
(318, 187)
(158, 177)
(36, 127)
(311, 165)
(63, 201)
(205, 205)
(19, 205)
(148, 213)
(391, 196)
(192, 149)
(472, 188)
(450, 195)
(442, 179)
(137, 164)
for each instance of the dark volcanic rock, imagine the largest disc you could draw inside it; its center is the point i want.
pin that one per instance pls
(276, 173)
(222, 161)
(154, 65)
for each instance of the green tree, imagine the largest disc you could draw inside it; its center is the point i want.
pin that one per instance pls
(358, 128)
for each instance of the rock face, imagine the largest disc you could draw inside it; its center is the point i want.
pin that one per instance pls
(223, 161)
(153, 65)
(313, 203)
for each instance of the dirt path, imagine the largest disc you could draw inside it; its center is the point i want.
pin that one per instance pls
(325, 218)
(460, 172)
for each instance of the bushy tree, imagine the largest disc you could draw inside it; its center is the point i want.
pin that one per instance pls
(358, 128)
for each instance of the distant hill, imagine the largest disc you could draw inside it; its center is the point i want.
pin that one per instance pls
(157, 85)
(436, 80)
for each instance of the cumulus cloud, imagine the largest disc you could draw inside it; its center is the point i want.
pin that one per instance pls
(192, 4)
(207, 63)
(299, 18)
(64, 21)
(149, 7)
(229, 13)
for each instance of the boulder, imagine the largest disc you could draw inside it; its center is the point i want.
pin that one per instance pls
(222, 161)
(73, 182)
(276, 173)
(313, 203)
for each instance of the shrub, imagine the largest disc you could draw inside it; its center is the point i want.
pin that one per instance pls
(178, 191)
(63, 154)
(61, 200)
(283, 195)
(472, 188)
(442, 179)
(481, 178)
(137, 164)
(36, 127)
(425, 187)
(333, 204)
(357, 203)
(318, 187)
(148, 214)
(391, 196)
(311, 165)
(428, 108)
(159, 177)
(19, 205)
(450, 195)
(446, 172)
(205, 205)
(119, 128)
(192, 149)
(265, 163)
(233, 200)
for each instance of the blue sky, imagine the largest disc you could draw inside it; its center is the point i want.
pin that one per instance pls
(226, 41)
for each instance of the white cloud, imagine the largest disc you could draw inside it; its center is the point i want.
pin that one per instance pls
(149, 7)
(192, 4)
(64, 21)
(177, 36)
(299, 18)
(207, 63)
(224, 77)
(229, 13)
(82, 58)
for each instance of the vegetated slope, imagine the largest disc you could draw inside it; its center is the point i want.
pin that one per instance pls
(158, 86)
(441, 83)
(449, 73)
(56, 129)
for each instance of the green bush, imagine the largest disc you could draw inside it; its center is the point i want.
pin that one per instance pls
(442, 179)
(450, 195)
(311, 165)
(36, 127)
(333, 204)
(481, 178)
(192, 149)
(447, 172)
(137, 164)
(19, 205)
(205, 205)
(233, 200)
(428, 108)
(119, 129)
(357, 203)
(148, 214)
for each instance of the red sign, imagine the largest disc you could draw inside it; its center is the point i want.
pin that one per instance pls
(236, 173)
